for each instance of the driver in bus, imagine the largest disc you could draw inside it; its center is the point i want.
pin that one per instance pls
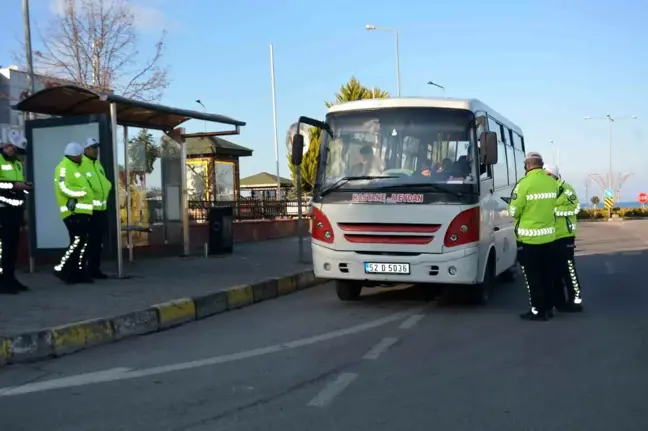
(369, 164)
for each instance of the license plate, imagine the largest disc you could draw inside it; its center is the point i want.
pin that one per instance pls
(387, 268)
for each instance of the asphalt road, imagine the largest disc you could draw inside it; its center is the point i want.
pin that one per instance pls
(391, 361)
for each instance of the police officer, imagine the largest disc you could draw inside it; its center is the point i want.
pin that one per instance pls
(74, 198)
(12, 201)
(567, 207)
(93, 170)
(532, 206)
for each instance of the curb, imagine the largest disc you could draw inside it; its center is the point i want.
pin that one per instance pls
(73, 337)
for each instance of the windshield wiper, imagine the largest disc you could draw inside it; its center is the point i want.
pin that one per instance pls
(342, 181)
(435, 186)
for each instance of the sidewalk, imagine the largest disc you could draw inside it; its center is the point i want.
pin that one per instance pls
(154, 281)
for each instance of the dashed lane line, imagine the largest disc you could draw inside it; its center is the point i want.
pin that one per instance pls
(332, 390)
(380, 348)
(411, 321)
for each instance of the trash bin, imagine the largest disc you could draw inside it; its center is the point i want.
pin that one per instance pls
(221, 230)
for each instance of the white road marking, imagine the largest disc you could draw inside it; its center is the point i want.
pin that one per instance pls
(411, 321)
(333, 389)
(609, 267)
(117, 374)
(380, 348)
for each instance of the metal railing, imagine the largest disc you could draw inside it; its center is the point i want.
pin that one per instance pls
(244, 209)
(248, 209)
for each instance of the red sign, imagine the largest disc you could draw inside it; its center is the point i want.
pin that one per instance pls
(643, 198)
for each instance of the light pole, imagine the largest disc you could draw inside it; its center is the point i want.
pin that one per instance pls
(609, 118)
(274, 119)
(395, 31)
(28, 47)
(438, 86)
(204, 110)
(556, 156)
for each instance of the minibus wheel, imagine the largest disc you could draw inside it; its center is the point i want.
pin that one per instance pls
(347, 290)
(480, 292)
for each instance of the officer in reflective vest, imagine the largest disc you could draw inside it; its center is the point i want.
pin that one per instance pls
(74, 198)
(532, 207)
(12, 203)
(567, 207)
(93, 170)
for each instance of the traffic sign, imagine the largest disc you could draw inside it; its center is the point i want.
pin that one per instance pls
(609, 202)
(609, 193)
(643, 198)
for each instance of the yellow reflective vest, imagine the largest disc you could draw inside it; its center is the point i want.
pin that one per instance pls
(567, 207)
(11, 171)
(532, 205)
(100, 185)
(73, 192)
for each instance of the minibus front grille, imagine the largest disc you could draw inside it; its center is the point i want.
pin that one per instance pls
(388, 239)
(404, 228)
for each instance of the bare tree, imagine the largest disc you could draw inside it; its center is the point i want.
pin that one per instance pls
(94, 43)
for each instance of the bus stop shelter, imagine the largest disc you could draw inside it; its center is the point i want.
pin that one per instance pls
(78, 113)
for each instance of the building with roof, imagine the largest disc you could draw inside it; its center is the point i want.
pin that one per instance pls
(213, 172)
(264, 185)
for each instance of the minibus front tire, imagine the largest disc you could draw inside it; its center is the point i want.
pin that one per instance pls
(347, 290)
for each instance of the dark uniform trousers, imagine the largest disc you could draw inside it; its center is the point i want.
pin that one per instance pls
(96, 234)
(537, 263)
(73, 263)
(11, 219)
(565, 273)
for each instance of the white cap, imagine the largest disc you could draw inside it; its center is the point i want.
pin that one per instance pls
(73, 149)
(533, 155)
(553, 170)
(90, 142)
(15, 138)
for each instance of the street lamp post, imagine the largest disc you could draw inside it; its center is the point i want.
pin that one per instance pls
(556, 156)
(395, 31)
(611, 120)
(204, 109)
(274, 119)
(438, 86)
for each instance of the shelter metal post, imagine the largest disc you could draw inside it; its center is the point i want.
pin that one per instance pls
(113, 126)
(129, 216)
(184, 205)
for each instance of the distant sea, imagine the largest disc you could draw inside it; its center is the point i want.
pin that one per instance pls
(620, 205)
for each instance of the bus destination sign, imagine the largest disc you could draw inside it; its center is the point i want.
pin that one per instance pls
(387, 198)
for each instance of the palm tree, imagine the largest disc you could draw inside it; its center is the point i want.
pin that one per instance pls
(353, 90)
(595, 201)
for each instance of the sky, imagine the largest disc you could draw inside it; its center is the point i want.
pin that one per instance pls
(545, 65)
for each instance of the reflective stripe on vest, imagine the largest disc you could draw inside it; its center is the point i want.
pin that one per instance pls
(536, 232)
(540, 196)
(64, 188)
(576, 210)
(87, 207)
(532, 197)
(12, 202)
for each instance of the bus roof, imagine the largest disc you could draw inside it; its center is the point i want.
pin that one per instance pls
(473, 105)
